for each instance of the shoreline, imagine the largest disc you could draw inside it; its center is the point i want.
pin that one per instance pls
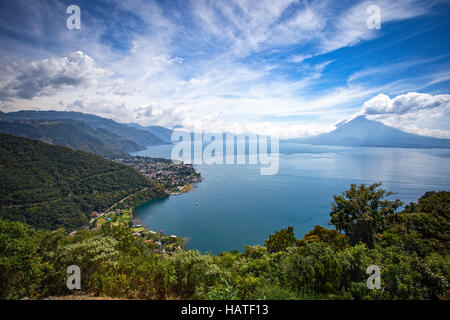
(128, 214)
(186, 188)
(136, 221)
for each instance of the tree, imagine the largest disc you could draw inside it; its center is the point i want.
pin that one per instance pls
(331, 238)
(21, 269)
(281, 240)
(361, 212)
(435, 203)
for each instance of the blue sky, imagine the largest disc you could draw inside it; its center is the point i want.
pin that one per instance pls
(293, 68)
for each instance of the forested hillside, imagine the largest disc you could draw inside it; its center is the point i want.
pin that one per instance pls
(74, 134)
(50, 187)
(141, 137)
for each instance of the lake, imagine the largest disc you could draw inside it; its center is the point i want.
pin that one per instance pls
(235, 206)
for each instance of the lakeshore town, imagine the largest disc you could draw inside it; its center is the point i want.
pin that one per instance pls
(175, 177)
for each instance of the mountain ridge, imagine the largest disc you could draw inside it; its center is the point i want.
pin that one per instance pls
(141, 137)
(75, 134)
(164, 133)
(363, 132)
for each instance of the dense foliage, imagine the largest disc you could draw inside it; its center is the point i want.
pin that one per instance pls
(411, 247)
(362, 211)
(51, 187)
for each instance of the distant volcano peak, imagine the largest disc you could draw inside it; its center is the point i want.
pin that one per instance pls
(362, 117)
(361, 131)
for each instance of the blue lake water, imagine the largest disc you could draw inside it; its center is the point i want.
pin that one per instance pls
(234, 205)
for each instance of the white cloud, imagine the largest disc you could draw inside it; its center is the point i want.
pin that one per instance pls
(299, 58)
(46, 76)
(405, 103)
(414, 112)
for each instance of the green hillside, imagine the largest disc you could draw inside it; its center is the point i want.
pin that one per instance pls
(74, 134)
(50, 187)
(141, 137)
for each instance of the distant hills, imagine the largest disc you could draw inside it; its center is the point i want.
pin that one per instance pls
(111, 139)
(369, 133)
(163, 133)
(142, 137)
(53, 187)
(82, 131)
(74, 134)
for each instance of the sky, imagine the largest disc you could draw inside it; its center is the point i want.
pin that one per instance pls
(280, 67)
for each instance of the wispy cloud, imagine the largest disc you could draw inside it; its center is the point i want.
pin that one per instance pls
(243, 65)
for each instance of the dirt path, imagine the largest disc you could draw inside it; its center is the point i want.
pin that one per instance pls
(114, 205)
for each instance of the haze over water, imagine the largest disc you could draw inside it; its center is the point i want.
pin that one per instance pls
(235, 206)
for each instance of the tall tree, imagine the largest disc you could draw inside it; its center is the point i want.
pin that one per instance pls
(361, 212)
(281, 240)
